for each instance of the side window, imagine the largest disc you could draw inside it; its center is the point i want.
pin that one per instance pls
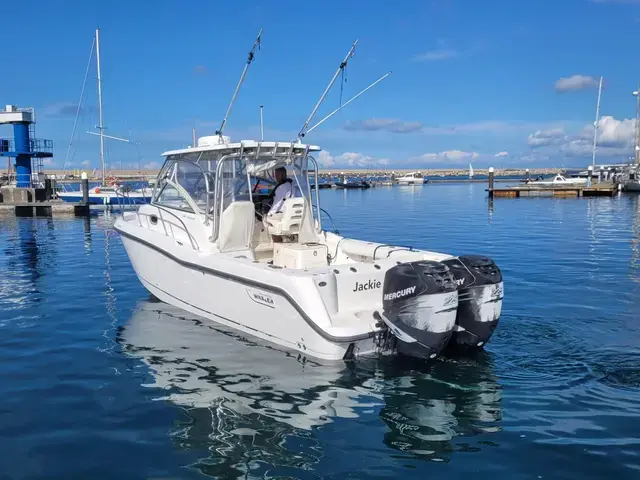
(170, 197)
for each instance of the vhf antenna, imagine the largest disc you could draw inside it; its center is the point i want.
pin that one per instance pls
(256, 45)
(343, 64)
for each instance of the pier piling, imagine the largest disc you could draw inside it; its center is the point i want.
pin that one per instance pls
(491, 173)
(85, 188)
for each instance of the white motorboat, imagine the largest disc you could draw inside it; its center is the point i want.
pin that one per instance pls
(204, 244)
(412, 178)
(559, 180)
(207, 243)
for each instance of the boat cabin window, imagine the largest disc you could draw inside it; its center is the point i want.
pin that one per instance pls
(169, 196)
(182, 183)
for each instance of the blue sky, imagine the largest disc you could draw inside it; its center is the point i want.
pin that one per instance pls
(498, 82)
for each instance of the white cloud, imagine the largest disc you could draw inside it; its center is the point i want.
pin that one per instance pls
(615, 138)
(502, 154)
(575, 82)
(350, 159)
(389, 124)
(48, 162)
(612, 132)
(85, 163)
(435, 55)
(449, 156)
(325, 159)
(542, 138)
(498, 127)
(151, 166)
(535, 157)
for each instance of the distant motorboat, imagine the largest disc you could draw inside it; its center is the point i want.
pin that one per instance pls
(559, 180)
(360, 184)
(412, 178)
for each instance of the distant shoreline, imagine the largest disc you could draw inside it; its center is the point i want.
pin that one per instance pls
(448, 172)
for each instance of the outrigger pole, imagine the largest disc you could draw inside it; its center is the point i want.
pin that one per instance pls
(343, 64)
(348, 102)
(256, 45)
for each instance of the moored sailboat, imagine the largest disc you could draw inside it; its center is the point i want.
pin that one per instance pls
(110, 192)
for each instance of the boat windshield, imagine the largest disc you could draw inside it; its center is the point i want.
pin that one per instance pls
(183, 184)
(209, 181)
(238, 184)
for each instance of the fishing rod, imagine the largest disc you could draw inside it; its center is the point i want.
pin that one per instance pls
(348, 102)
(256, 45)
(341, 68)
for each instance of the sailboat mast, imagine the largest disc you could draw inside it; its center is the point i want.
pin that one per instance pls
(637, 142)
(100, 126)
(595, 126)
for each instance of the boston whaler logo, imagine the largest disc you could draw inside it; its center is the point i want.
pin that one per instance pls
(261, 298)
(399, 293)
(370, 285)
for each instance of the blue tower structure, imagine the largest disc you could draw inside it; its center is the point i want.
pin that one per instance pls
(28, 151)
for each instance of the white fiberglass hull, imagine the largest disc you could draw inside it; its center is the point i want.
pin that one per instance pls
(317, 312)
(398, 301)
(256, 308)
(574, 182)
(413, 181)
(107, 198)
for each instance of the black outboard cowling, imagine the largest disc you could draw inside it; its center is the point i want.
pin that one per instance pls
(480, 292)
(419, 307)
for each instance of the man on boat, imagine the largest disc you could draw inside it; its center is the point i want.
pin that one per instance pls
(282, 191)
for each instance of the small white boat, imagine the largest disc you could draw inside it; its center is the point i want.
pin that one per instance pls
(470, 171)
(412, 178)
(110, 195)
(559, 180)
(210, 244)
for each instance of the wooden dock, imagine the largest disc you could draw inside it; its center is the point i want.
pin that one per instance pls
(604, 189)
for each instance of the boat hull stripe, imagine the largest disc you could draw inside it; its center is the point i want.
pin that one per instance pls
(250, 283)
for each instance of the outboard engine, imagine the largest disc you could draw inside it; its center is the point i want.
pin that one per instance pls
(419, 307)
(480, 292)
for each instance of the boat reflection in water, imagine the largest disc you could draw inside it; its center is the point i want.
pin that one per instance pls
(431, 414)
(256, 408)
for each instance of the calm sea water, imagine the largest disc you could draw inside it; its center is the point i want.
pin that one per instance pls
(99, 382)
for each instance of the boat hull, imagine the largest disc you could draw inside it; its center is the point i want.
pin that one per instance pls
(411, 182)
(259, 310)
(632, 186)
(106, 198)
